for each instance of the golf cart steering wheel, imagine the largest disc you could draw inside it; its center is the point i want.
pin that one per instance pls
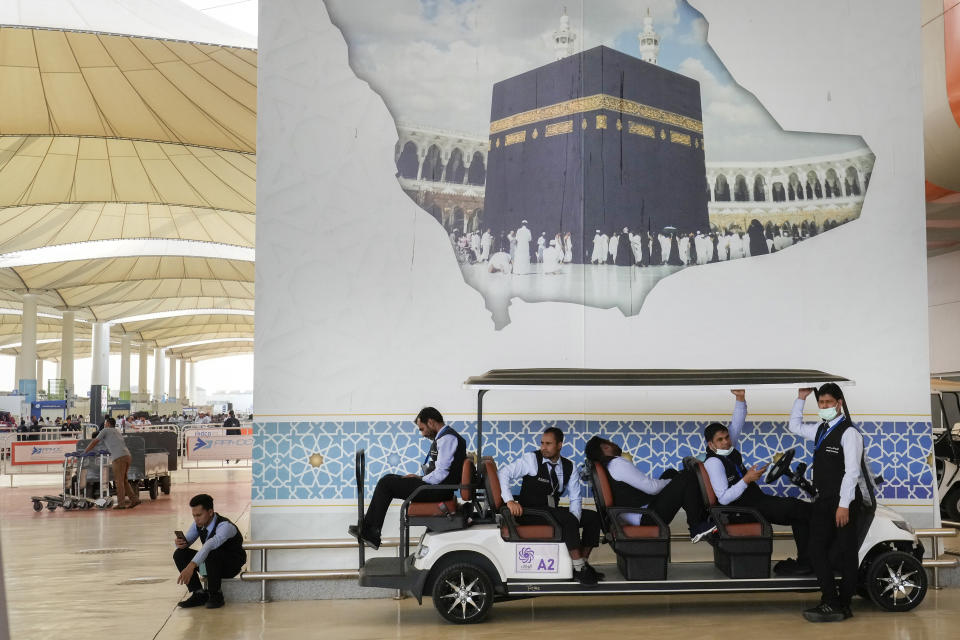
(780, 465)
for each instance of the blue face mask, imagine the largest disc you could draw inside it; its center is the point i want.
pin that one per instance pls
(827, 414)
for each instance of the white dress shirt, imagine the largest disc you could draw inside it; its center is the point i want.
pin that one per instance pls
(851, 441)
(526, 465)
(726, 492)
(224, 532)
(446, 447)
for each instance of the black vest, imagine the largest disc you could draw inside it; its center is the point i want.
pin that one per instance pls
(233, 547)
(536, 489)
(732, 465)
(459, 455)
(828, 465)
(625, 495)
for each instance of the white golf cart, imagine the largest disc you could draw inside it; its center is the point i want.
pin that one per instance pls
(474, 552)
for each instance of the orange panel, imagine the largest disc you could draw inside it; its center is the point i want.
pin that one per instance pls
(951, 52)
(934, 192)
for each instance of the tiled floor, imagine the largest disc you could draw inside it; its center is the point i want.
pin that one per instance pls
(56, 591)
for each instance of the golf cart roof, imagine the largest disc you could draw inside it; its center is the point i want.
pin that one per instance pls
(620, 379)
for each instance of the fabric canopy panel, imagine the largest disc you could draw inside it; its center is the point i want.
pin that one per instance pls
(139, 307)
(109, 86)
(215, 350)
(55, 170)
(31, 227)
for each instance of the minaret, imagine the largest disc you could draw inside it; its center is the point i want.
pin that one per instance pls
(563, 38)
(649, 40)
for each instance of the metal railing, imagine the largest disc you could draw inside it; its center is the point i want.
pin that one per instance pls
(934, 563)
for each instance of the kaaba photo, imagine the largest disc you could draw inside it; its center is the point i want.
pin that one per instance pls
(600, 140)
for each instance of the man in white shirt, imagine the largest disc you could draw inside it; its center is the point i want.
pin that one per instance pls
(844, 487)
(735, 485)
(633, 488)
(222, 553)
(546, 477)
(442, 466)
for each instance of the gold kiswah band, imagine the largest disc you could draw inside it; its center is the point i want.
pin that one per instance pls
(595, 103)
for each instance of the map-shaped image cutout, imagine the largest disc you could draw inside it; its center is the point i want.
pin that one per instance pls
(584, 157)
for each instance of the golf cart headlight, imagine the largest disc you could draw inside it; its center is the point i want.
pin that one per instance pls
(422, 552)
(903, 524)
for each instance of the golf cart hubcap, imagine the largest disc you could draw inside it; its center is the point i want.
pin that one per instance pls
(467, 600)
(898, 585)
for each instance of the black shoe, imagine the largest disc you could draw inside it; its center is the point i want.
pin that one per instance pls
(196, 599)
(702, 530)
(600, 575)
(824, 612)
(368, 537)
(586, 576)
(216, 600)
(791, 567)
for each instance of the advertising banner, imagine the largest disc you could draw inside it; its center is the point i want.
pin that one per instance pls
(219, 447)
(41, 451)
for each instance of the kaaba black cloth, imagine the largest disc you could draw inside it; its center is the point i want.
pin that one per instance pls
(599, 140)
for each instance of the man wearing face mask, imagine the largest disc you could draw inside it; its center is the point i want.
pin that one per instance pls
(736, 485)
(843, 485)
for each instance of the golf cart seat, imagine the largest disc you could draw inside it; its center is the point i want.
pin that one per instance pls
(445, 515)
(510, 529)
(744, 538)
(642, 550)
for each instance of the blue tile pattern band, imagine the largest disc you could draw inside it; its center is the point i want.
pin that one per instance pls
(281, 468)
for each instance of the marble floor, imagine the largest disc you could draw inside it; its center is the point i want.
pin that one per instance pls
(99, 574)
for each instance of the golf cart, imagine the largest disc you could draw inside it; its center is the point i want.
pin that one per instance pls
(474, 552)
(945, 413)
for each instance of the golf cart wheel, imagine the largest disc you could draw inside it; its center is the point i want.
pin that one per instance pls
(951, 503)
(165, 485)
(896, 581)
(68, 504)
(153, 486)
(463, 593)
(37, 505)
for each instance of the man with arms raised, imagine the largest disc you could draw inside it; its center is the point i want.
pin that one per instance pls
(547, 477)
(734, 484)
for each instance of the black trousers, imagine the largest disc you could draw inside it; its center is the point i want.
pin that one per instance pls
(783, 511)
(219, 565)
(682, 492)
(394, 486)
(570, 526)
(834, 548)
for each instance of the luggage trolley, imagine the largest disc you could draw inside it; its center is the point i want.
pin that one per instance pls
(490, 557)
(76, 466)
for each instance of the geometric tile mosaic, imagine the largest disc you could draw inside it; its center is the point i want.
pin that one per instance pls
(282, 471)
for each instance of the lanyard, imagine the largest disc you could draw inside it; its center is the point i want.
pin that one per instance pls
(437, 437)
(824, 436)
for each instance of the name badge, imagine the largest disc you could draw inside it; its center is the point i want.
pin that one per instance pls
(551, 502)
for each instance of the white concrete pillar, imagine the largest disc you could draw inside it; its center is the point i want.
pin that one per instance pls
(193, 382)
(27, 369)
(124, 368)
(16, 372)
(172, 383)
(66, 351)
(183, 380)
(142, 371)
(40, 386)
(100, 355)
(158, 374)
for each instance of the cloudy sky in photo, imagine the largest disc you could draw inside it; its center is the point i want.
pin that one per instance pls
(435, 63)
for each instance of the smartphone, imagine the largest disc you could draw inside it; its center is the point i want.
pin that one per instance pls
(179, 534)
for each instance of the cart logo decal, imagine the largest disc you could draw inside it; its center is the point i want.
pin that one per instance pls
(538, 558)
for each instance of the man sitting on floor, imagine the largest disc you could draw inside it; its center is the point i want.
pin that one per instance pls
(222, 553)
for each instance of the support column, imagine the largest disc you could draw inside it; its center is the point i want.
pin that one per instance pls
(100, 356)
(142, 392)
(183, 381)
(124, 394)
(27, 370)
(66, 352)
(158, 374)
(172, 386)
(40, 386)
(193, 382)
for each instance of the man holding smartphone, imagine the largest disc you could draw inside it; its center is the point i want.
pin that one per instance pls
(222, 553)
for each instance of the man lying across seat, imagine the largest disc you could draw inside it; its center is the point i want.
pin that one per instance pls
(443, 465)
(547, 477)
(633, 488)
(735, 485)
